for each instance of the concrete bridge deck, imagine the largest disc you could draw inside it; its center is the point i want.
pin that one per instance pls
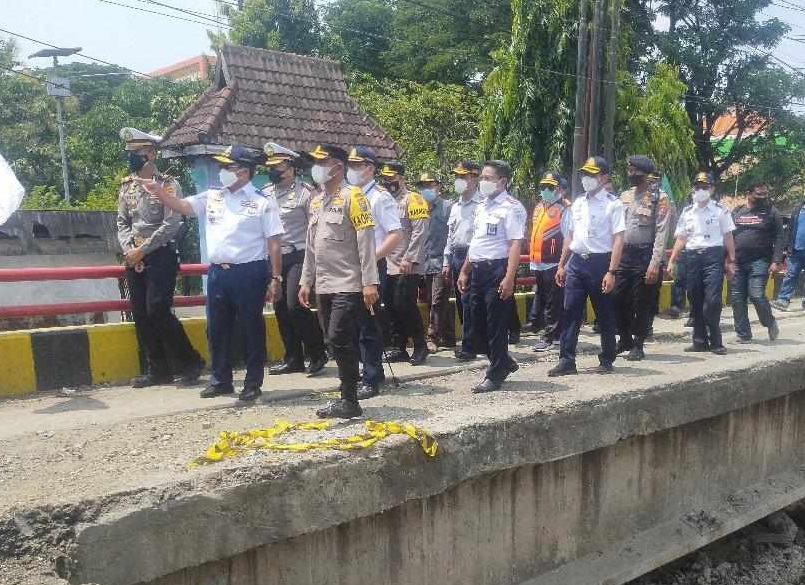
(587, 479)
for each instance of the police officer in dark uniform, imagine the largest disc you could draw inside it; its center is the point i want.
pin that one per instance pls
(705, 231)
(299, 327)
(340, 263)
(146, 230)
(647, 223)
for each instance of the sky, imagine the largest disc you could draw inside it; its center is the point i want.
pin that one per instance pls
(144, 42)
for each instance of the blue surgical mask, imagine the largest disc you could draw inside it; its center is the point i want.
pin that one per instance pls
(428, 194)
(549, 195)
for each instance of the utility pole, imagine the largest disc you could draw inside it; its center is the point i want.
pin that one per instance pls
(610, 87)
(594, 118)
(580, 126)
(60, 89)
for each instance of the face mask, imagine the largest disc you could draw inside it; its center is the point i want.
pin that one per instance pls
(429, 195)
(227, 177)
(392, 186)
(275, 175)
(460, 185)
(589, 184)
(136, 161)
(487, 188)
(549, 195)
(635, 180)
(701, 195)
(761, 201)
(355, 177)
(321, 174)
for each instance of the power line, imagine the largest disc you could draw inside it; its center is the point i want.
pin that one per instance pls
(84, 55)
(158, 13)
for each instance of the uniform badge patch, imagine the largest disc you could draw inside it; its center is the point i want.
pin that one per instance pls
(491, 229)
(417, 207)
(359, 213)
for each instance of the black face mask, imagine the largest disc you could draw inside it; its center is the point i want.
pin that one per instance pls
(275, 175)
(392, 186)
(761, 202)
(136, 161)
(635, 180)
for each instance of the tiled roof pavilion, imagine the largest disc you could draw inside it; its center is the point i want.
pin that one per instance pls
(260, 96)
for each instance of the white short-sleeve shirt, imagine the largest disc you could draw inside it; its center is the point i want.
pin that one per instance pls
(384, 210)
(704, 227)
(594, 220)
(238, 224)
(497, 222)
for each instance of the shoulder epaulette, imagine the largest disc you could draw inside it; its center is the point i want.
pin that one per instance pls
(308, 186)
(126, 179)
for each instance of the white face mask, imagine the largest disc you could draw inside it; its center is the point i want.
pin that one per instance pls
(321, 174)
(488, 188)
(355, 177)
(460, 185)
(701, 195)
(227, 177)
(589, 184)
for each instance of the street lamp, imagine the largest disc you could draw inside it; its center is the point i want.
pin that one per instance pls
(59, 88)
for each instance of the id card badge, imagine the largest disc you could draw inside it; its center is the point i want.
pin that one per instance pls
(491, 229)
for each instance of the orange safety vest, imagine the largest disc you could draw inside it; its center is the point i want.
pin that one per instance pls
(546, 234)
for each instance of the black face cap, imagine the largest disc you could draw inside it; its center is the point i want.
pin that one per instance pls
(595, 165)
(642, 163)
(392, 169)
(325, 151)
(241, 155)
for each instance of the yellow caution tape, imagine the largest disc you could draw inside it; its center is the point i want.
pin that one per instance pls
(234, 443)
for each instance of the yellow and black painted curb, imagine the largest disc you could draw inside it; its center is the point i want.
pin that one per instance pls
(50, 359)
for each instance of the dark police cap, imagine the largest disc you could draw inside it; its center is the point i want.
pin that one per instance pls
(704, 178)
(553, 179)
(467, 167)
(362, 154)
(642, 163)
(242, 155)
(392, 169)
(325, 151)
(595, 165)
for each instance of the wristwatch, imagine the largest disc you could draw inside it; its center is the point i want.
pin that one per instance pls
(277, 278)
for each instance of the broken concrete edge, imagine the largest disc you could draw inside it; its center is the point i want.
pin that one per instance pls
(137, 536)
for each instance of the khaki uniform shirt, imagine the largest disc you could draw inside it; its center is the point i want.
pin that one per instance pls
(415, 220)
(340, 249)
(294, 205)
(648, 221)
(142, 220)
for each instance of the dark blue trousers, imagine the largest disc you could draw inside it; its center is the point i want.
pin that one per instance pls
(462, 300)
(490, 317)
(749, 284)
(583, 279)
(705, 285)
(371, 337)
(238, 291)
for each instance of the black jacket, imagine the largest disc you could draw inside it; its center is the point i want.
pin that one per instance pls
(758, 234)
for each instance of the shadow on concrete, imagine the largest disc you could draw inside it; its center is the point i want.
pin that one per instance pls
(387, 413)
(74, 404)
(533, 386)
(413, 389)
(627, 369)
(673, 359)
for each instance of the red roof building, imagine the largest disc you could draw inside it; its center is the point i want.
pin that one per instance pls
(195, 68)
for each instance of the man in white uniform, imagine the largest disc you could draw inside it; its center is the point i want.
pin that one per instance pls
(243, 227)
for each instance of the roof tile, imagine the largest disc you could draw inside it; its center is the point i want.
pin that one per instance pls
(269, 95)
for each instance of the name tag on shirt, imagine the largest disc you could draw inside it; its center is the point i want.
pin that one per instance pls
(491, 229)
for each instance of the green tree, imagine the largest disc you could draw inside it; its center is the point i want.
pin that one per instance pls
(359, 34)
(531, 92)
(435, 124)
(653, 121)
(722, 49)
(287, 25)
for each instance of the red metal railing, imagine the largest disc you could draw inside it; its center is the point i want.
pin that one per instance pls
(101, 272)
